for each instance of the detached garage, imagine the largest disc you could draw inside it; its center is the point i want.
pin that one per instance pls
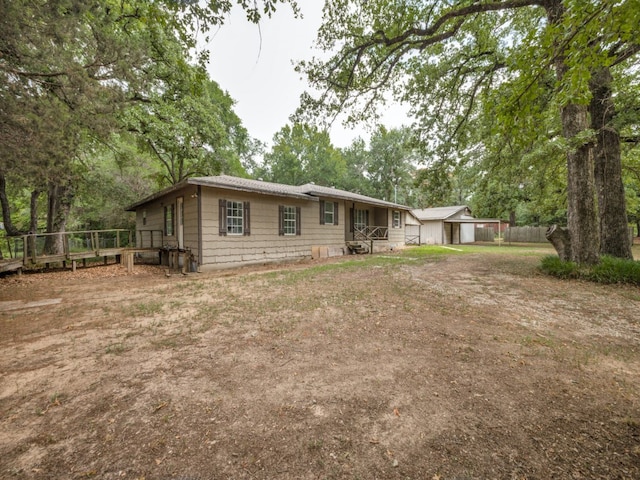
(447, 225)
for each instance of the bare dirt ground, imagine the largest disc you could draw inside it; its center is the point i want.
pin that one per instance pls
(467, 366)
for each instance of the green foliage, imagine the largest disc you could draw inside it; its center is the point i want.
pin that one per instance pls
(552, 265)
(485, 82)
(356, 157)
(609, 270)
(303, 154)
(113, 179)
(385, 169)
(616, 270)
(190, 129)
(74, 74)
(390, 166)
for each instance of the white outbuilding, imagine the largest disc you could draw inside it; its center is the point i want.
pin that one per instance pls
(447, 225)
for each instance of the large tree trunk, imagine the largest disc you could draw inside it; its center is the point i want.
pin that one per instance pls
(33, 224)
(582, 222)
(612, 208)
(60, 198)
(9, 227)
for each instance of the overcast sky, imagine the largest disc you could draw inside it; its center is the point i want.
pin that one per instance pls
(254, 65)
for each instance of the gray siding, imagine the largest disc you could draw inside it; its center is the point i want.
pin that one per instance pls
(396, 235)
(431, 232)
(155, 220)
(264, 244)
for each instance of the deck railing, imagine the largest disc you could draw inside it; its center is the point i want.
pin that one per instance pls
(371, 233)
(52, 247)
(149, 238)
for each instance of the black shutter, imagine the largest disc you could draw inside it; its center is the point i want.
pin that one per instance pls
(280, 219)
(352, 215)
(298, 221)
(400, 219)
(335, 213)
(321, 212)
(247, 219)
(222, 217)
(166, 213)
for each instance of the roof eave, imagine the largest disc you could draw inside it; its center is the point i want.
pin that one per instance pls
(157, 195)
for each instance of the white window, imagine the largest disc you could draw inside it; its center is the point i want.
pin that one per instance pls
(235, 218)
(329, 213)
(397, 222)
(289, 220)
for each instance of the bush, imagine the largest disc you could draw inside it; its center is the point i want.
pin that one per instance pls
(615, 270)
(552, 265)
(609, 270)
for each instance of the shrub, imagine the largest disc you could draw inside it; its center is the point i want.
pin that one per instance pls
(608, 270)
(615, 270)
(552, 265)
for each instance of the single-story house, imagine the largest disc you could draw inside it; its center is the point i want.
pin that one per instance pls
(224, 221)
(447, 225)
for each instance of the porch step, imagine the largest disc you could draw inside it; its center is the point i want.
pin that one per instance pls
(358, 247)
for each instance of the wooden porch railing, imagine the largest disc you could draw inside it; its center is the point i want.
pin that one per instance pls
(371, 233)
(42, 248)
(149, 238)
(49, 248)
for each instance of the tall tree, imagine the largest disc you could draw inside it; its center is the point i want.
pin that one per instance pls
(391, 164)
(445, 56)
(69, 67)
(303, 154)
(190, 129)
(357, 158)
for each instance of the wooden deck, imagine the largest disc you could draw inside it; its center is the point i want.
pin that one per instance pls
(32, 251)
(11, 265)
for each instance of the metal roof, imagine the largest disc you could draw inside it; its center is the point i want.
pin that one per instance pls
(438, 213)
(319, 191)
(473, 220)
(308, 191)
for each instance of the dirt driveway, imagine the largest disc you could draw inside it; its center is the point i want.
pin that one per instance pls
(405, 366)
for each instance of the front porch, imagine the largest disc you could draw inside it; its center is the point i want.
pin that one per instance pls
(366, 238)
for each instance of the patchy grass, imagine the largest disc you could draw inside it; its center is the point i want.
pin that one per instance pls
(426, 363)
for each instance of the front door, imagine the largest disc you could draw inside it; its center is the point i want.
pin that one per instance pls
(180, 221)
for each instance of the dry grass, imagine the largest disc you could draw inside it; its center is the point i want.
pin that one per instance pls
(415, 365)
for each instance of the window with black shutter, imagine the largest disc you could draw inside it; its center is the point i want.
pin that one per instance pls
(234, 218)
(289, 220)
(328, 213)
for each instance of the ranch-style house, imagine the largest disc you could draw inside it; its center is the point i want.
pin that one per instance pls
(224, 221)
